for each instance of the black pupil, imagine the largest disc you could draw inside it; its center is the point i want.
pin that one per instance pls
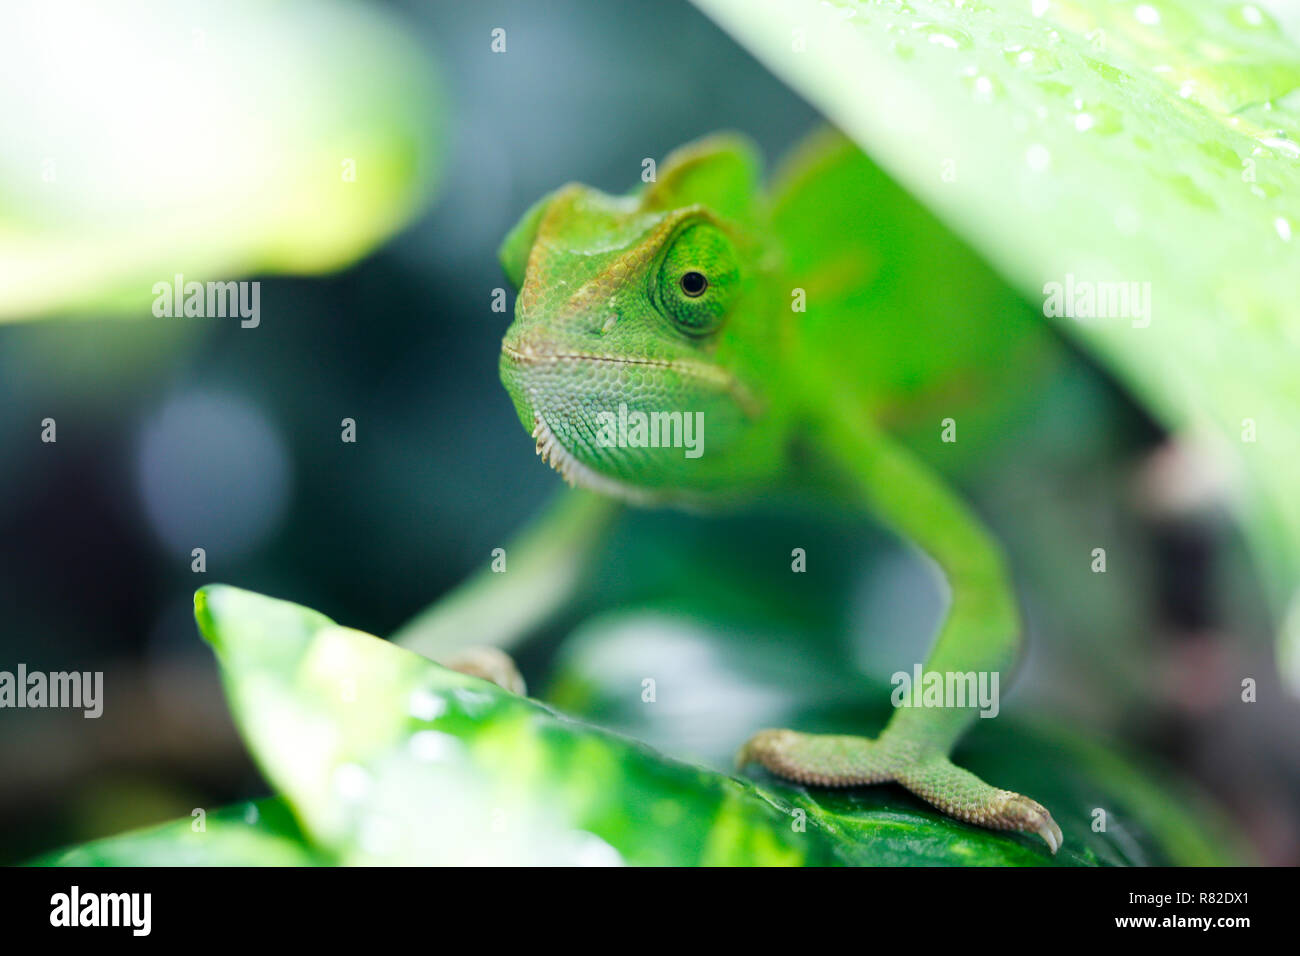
(694, 283)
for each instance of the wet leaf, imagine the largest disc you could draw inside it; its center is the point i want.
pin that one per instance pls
(387, 757)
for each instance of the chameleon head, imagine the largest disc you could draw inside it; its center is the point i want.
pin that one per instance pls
(624, 357)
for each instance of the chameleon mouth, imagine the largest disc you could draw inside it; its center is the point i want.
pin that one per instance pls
(703, 372)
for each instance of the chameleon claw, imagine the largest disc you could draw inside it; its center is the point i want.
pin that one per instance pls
(1029, 816)
(1051, 835)
(490, 664)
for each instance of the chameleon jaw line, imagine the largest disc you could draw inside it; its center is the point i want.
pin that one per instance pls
(576, 474)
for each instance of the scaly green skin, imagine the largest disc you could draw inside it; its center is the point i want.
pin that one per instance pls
(611, 311)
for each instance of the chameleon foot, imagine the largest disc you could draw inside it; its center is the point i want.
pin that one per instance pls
(828, 760)
(489, 663)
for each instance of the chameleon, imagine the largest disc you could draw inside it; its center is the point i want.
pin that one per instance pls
(772, 317)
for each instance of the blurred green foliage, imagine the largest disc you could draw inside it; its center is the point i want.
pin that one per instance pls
(174, 137)
(257, 833)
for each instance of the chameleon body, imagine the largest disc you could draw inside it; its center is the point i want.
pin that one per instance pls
(775, 319)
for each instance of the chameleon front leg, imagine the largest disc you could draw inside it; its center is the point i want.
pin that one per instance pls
(981, 633)
(469, 629)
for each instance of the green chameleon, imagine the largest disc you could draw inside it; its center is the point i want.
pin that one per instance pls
(768, 333)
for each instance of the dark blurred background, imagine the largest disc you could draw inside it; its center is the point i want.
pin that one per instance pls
(182, 433)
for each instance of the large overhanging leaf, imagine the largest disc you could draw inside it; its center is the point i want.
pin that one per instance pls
(1095, 147)
(142, 139)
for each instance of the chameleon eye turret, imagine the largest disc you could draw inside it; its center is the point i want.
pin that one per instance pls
(700, 277)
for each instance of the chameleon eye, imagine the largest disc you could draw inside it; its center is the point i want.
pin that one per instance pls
(694, 284)
(698, 279)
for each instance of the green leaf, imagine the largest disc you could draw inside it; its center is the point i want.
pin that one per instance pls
(386, 757)
(259, 833)
(1090, 141)
(144, 140)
